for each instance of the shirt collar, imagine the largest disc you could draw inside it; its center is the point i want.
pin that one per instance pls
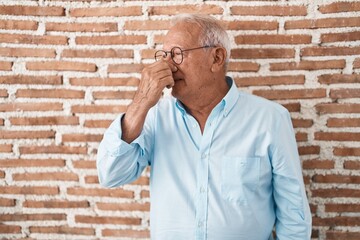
(227, 103)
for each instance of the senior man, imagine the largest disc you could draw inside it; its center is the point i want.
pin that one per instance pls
(224, 164)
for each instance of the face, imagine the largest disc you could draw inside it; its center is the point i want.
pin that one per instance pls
(191, 79)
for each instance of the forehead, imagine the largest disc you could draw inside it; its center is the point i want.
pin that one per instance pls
(182, 34)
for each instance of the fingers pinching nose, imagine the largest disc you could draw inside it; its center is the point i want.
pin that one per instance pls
(175, 69)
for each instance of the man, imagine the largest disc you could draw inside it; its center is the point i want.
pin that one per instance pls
(224, 164)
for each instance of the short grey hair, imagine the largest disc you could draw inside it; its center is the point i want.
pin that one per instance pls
(213, 32)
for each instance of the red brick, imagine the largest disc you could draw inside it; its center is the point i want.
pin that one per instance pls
(345, 93)
(52, 149)
(113, 94)
(32, 10)
(2, 174)
(100, 53)
(85, 164)
(103, 11)
(308, 65)
(291, 94)
(46, 176)
(329, 51)
(27, 52)
(292, 107)
(301, 137)
(273, 39)
(302, 123)
(251, 25)
(309, 150)
(18, 25)
(332, 178)
(356, 63)
(100, 192)
(98, 109)
(343, 122)
(62, 230)
(130, 81)
(97, 123)
(15, 107)
(125, 68)
(50, 93)
(334, 235)
(36, 121)
(325, 108)
(269, 10)
(107, 220)
(4, 134)
(32, 217)
(81, 27)
(5, 66)
(91, 179)
(144, 194)
(61, 66)
(335, 193)
(337, 7)
(177, 9)
(245, 53)
(342, 151)
(337, 136)
(339, 78)
(7, 202)
(33, 39)
(323, 23)
(4, 93)
(147, 25)
(133, 206)
(25, 79)
(56, 204)
(243, 67)
(82, 137)
(338, 207)
(5, 148)
(125, 233)
(340, 37)
(336, 221)
(9, 229)
(29, 190)
(111, 40)
(31, 163)
(355, 165)
(318, 164)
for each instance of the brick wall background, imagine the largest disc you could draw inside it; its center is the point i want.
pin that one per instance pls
(67, 68)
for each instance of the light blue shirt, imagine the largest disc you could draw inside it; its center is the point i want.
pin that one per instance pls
(233, 182)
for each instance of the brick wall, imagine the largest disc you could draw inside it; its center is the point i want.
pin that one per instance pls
(67, 68)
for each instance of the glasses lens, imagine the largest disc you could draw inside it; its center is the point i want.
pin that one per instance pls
(160, 55)
(176, 55)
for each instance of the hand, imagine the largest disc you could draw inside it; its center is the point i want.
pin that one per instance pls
(154, 78)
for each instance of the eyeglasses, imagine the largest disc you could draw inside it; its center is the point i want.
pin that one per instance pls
(176, 54)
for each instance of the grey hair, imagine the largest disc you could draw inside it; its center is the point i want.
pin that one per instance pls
(213, 32)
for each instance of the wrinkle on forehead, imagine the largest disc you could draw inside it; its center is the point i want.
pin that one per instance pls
(182, 35)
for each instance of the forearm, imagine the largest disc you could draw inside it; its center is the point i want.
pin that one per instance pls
(133, 121)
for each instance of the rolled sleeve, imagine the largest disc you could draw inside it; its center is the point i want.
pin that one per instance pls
(119, 162)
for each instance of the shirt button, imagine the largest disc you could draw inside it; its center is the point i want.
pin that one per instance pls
(204, 155)
(202, 189)
(200, 224)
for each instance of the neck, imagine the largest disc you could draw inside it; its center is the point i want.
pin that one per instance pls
(201, 108)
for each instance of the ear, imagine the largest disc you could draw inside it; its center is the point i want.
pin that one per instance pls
(219, 58)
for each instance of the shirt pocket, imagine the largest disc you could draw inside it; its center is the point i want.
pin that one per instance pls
(240, 178)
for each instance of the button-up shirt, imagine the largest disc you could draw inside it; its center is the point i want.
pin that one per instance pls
(234, 180)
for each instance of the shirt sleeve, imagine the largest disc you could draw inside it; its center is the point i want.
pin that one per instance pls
(293, 216)
(117, 161)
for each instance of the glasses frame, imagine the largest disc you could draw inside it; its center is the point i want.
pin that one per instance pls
(172, 54)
